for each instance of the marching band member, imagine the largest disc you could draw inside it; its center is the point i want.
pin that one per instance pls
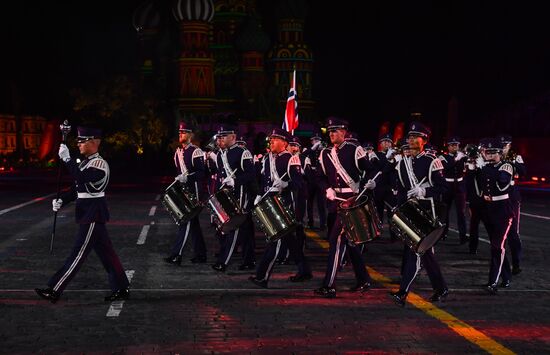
(235, 169)
(342, 166)
(91, 177)
(315, 195)
(281, 173)
(454, 169)
(421, 177)
(190, 165)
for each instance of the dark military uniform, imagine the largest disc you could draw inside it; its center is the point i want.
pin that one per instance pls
(424, 171)
(237, 162)
(189, 161)
(495, 181)
(286, 167)
(91, 178)
(341, 170)
(454, 170)
(314, 192)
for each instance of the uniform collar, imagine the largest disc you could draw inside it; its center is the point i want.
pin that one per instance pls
(341, 145)
(233, 146)
(95, 155)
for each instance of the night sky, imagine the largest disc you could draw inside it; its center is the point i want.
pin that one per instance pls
(374, 61)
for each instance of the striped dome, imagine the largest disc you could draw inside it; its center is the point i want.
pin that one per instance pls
(146, 16)
(193, 10)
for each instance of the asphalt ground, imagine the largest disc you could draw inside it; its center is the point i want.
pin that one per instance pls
(192, 309)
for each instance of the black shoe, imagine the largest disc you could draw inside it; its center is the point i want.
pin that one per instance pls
(248, 266)
(48, 294)
(199, 260)
(492, 289)
(219, 267)
(516, 270)
(122, 294)
(173, 259)
(505, 284)
(300, 278)
(361, 287)
(328, 292)
(439, 295)
(261, 283)
(400, 297)
(282, 261)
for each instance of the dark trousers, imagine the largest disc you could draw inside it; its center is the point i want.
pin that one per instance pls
(337, 241)
(242, 236)
(458, 195)
(514, 240)
(380, 200)
(317, 195)
(476, 216)
(265, 267)
(193, 229)
(91, 236)
(498, 229)
(412, 265)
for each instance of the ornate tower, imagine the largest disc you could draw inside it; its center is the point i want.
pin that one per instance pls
(291, 52)
(196, 62)
(252, 43)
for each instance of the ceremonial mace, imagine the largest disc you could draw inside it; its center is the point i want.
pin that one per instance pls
(65, 129)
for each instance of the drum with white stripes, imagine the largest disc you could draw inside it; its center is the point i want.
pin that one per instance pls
(182, 204)
(416, 226)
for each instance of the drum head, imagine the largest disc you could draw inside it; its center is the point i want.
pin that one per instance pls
(430, 240)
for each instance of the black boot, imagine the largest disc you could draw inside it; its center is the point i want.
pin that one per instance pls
(122, 294)
(173, 259)
(48, 294)
(439, 295)
(400, 297)
(361, 287)
(328, 292)
(261, 283)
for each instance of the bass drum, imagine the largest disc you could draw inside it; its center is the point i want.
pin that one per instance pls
(360, 219)
(273, 217)
(182, 204)
(225, 210)
(416, 226)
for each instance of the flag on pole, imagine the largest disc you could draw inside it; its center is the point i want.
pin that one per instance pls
(291, 112)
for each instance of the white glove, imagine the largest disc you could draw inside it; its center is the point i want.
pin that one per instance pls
(416, 191)
(371, 184)
(64, 153)
(229, 181)
(212, 156)
(398, 157)
(372, 155)
(390, 152)
(459, 156)
(182, 178)
(56, 204)
(480, 162)
(316, 146)
(280, 184)
(257, 199)
(331, 194)
(471, 166)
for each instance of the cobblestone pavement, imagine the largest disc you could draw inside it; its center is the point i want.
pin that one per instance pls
(193, 310)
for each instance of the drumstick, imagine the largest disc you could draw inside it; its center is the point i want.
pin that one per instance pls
(271, 188)
(339, 198)
(365, 189)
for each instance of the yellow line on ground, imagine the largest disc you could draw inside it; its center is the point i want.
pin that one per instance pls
(461, 328)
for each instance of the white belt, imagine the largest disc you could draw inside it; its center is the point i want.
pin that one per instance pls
(343, 189)
(453, 180)
(496, 198)
(87, 195)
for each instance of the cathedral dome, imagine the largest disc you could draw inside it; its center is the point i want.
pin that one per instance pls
(193, 10)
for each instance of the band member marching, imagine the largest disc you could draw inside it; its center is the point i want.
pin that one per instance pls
(281, 173)
(190, 165)
(235, 169)
(342, 166)
(91, 178)
(315, 195)
(494, 180)
(420, 177)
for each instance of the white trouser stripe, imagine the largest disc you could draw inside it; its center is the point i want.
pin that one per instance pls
(235, 236)
(270, 266)
(418, 263)
(185, 238)
(519, 214)
(336, 259)
(77, 259)
(502, 251)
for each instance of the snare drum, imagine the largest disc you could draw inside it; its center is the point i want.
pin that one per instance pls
(225, 210)
(182, 204)
(273, 217)
(360, 219)
(416, 226)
